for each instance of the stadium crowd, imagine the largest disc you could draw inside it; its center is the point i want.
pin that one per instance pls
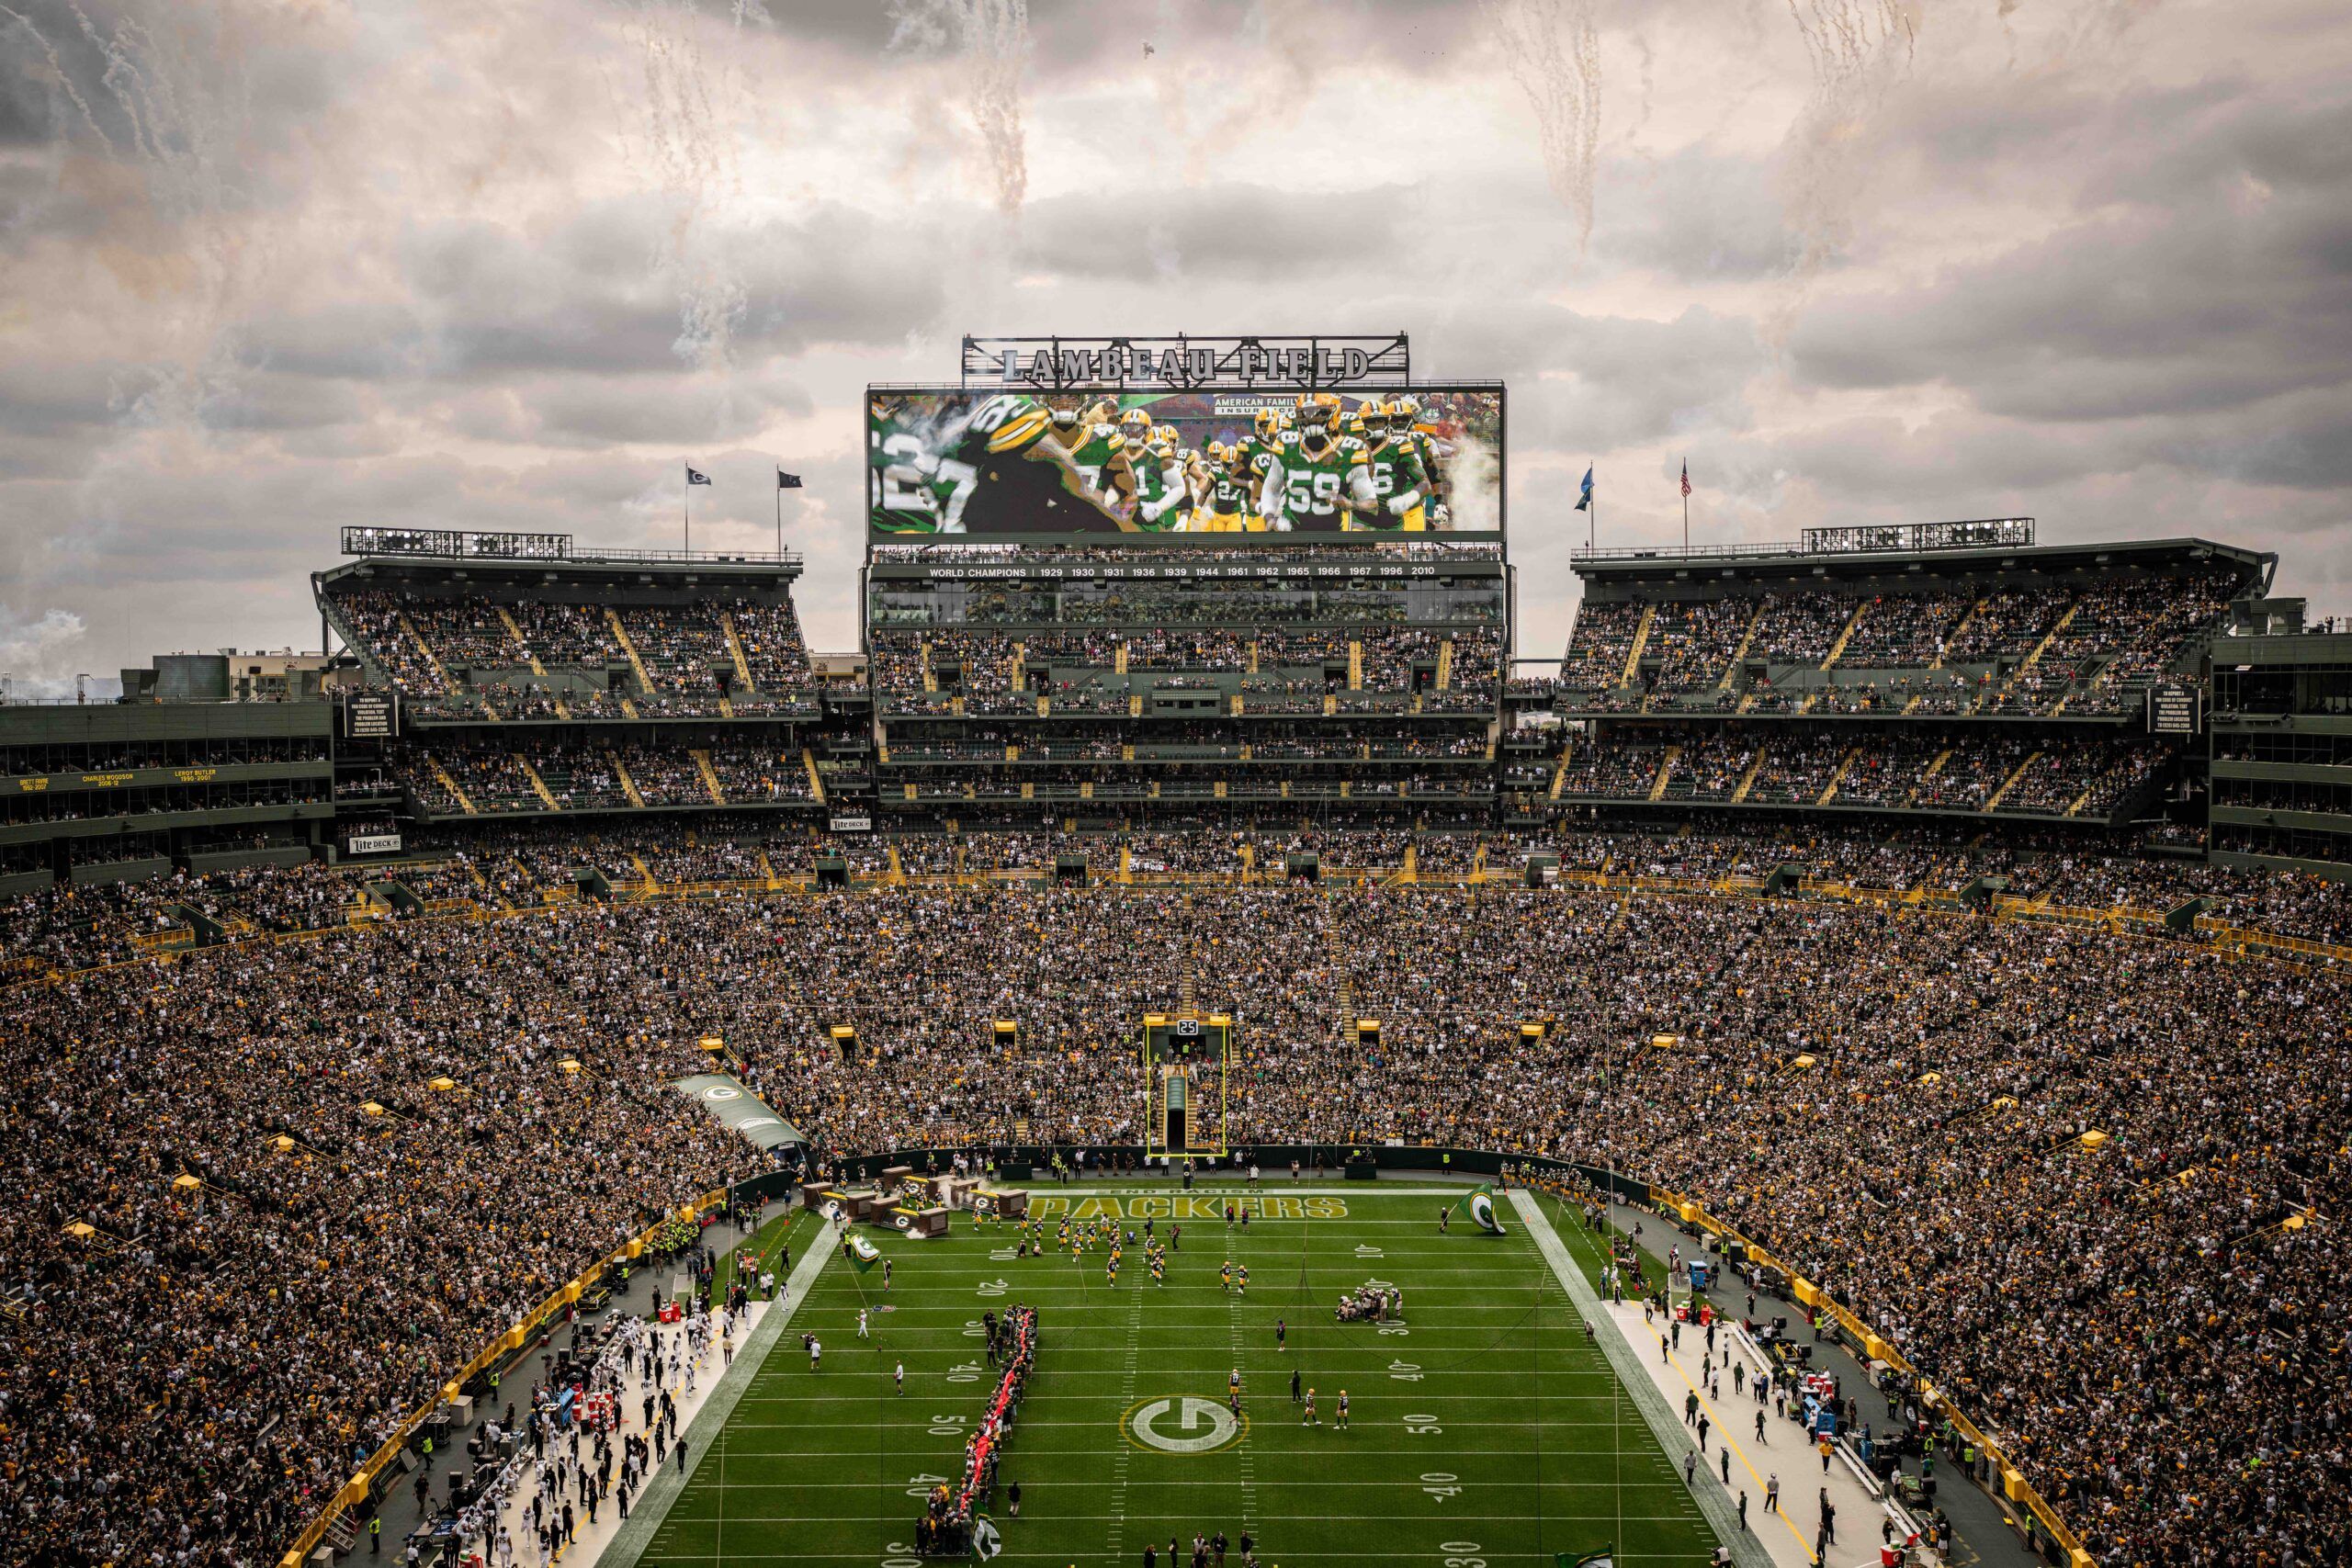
(2057, 1169)
(2082, 646)
(1995, 771)
(2082, 1181)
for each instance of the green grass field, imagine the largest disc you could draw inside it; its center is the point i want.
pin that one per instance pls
(1485, 1429)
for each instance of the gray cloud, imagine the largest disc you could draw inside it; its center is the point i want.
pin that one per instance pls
(400, 266)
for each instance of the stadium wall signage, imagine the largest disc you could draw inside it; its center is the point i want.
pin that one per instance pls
(738, 1109)
(1257, 360)
(128, 778)
(1190, 1206)
(1126, 365)
(1101, 571)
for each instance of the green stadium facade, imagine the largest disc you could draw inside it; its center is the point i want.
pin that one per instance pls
(2282, 748)
(1356, 682)
(1961, 678)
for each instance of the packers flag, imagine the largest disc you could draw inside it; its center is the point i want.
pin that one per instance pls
(863, 1253)
(1482, 1208)
(1605, 1558)
(986, 1542)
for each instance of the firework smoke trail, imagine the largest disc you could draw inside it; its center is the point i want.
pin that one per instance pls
(1553, 50)
(686, 115)
(1856, 48)
(2088, 34)
(181, 107)
(993, 38)
(59, 77)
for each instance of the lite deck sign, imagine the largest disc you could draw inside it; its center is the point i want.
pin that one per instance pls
(2173, 710)
(370, 715)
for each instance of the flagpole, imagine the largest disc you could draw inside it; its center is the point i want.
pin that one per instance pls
(779, 512)
(1686, 506)
(686, 507)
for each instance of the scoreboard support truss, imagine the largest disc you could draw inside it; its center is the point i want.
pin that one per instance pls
(1187, 1065)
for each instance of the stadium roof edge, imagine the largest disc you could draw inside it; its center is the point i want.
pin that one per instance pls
(1791, 559)
(662, 565)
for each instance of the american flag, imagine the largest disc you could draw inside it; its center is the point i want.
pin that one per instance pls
(1686, 476)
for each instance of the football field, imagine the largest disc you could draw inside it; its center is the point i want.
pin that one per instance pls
(1486, 1428)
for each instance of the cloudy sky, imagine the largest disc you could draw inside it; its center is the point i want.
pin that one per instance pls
(272, 267)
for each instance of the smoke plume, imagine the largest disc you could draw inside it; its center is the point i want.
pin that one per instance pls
(684, 118)
(1857, 49)
(1553, 50)
(993, 38)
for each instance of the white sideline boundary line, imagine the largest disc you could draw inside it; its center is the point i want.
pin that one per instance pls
(1745, 1550)
(668, 1481)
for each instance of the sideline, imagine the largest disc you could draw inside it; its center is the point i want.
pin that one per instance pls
(1746, 1550)
(661, 1493)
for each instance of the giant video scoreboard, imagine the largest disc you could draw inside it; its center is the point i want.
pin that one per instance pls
(1118, 442)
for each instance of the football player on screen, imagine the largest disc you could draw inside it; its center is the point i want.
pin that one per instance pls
(1228, 499)
(1397, 477)
(1169, 451)
(1263, 450)
(1160, 482)
(992, 465)
(1405, 421)
(1325, 480)
(1093, 436)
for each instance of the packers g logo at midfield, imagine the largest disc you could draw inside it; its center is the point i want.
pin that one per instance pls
(1182, 1424)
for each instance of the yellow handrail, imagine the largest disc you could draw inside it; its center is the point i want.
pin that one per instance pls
(2014, 1484)
(355, 1490)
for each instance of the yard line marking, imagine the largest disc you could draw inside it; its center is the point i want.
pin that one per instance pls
(1125, 1453)
(718, 1535)
(1678, 1560)
(1317, 1483)
(1513, 1450)
(1337, 1518)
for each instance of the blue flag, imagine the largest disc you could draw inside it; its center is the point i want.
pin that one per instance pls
(1585, 501)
